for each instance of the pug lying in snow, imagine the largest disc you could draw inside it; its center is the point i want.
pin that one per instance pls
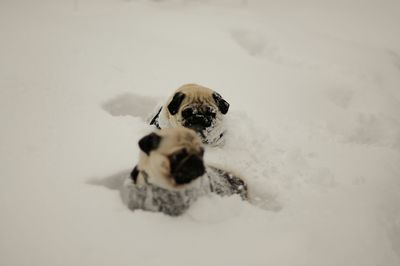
(171, 174)
(195, 107)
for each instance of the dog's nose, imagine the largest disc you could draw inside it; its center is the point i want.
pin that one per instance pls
(198, 122)
(197, 119)
(188, 169)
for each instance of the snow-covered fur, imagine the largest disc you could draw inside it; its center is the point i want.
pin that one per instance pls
(150, 197)
(200, 100)
(225, 183)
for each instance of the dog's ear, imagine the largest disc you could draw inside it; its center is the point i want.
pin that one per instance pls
(173, 106)
(149, 143)
(134, 174)
(223, 105)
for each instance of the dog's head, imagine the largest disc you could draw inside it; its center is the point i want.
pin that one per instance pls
(171, 157)
(200, 109)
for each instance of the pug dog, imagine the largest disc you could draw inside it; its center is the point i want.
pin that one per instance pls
(198, 108)
(171, 174)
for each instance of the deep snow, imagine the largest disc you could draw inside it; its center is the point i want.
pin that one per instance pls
(314, 127)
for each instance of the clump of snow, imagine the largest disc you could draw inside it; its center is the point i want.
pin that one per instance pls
(314, 128)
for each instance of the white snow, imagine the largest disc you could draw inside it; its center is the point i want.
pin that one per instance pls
(314, 127)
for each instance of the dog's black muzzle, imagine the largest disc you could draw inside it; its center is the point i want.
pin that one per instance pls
(198, 119)
(186, 167)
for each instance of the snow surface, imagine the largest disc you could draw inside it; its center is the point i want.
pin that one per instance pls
(314, 126)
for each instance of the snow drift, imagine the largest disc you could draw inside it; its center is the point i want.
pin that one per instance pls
(314, 126)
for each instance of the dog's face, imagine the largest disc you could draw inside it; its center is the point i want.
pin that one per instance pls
(172, 157)
(200, 109)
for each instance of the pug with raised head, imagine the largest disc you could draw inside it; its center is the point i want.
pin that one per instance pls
(171, 174)
(198, 108)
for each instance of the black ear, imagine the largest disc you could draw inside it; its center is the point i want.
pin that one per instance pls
(149, 142)
(134, 174)
(176, 101)
(223, 105)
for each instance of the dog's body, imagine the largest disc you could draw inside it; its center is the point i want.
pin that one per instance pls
(171, 174)
(225, 183)
(195, 107)
(151, 197)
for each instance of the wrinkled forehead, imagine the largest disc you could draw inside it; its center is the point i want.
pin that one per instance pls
(174, 139)
(196, 94)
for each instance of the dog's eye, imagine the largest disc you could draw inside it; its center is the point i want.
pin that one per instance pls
(201, 151)
(209, 112)
(179, 156)
(187, 112)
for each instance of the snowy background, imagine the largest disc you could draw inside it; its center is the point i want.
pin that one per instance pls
(314, 126)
